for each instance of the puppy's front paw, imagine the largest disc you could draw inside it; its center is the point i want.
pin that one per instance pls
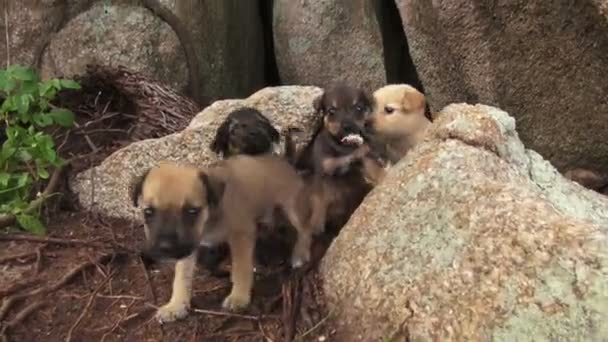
(236, 301)
(299, 260)
(171, 312)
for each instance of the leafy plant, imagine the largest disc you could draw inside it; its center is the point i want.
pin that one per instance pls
(28, 152)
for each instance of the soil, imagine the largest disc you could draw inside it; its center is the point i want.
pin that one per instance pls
(123, 308)
(110, 294)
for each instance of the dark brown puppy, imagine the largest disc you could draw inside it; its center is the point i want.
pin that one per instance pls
(339, 160)
(245, 131)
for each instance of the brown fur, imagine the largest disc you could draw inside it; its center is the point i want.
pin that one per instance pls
(589, 179)
(337, 175)
(398, 118)
(230, 197)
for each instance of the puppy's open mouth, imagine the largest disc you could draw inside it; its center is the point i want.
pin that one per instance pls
(352, 139)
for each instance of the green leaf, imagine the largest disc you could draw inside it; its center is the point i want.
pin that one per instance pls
(24, 156)
(31, 223)
(4, 178)
(7, 84)
(22, 73)
(7, 152)
(63, 117)
(23, 104)
(23, 180)
(43, 120)
(9, 105)
(47, 90)
(69, 84)
(55, 83)
(43, 173)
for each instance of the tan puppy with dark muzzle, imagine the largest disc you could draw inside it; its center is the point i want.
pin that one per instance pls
(185, 207)
(398, 119)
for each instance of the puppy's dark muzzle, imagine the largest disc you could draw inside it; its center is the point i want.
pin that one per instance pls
(349, 128)
(167, 247)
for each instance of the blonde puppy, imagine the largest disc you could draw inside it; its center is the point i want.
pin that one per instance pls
(398, 119)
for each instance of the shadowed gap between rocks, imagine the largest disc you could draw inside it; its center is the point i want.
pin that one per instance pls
(272, 77)
(400, 67)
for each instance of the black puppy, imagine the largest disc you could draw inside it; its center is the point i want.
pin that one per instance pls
(245, 131)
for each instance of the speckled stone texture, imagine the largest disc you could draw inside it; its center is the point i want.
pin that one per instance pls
(105, 188)
(543, 62)
(119, 34)
(472, 237)
(319, 42)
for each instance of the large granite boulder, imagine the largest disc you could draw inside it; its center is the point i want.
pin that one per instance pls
(105, 188)
(30, 25)
(545, 63)
(117, 34)
(320, 42)
(472, 237)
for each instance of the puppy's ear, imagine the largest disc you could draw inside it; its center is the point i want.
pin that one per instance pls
(136, 187)
(214, 187)
(317, 103)
(413, 101)
(219, 145)
(366, 98)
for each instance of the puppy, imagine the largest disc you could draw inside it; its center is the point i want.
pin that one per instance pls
(398, 119)
(245, 131)
(184, 208)
(589, 179)
(338, 158)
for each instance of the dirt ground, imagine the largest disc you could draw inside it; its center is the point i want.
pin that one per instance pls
(85, 280)
(112, 298)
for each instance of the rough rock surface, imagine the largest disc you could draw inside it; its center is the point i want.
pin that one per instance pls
(118, 34)
(472, 237)
(105, 188)
(30, 24)
(319, 42)
(545, 63)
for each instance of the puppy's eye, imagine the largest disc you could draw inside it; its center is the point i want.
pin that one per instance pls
(389, 109)
(193, 211)
(359, 108)
(148, 212)
(331, 111)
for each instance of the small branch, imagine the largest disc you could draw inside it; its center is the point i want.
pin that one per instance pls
(66, 242)
(9, 301)
(88, 139)
(7, 220)
(68, 338)
(143, 267)
(226, 314)
(23, 314)
(51, 240)
(17, 256)
(39, 258)
(18, 286)
(8, 40)
(315, 327)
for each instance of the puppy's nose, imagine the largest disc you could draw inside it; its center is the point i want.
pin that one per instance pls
(167, 242)
(350, 127)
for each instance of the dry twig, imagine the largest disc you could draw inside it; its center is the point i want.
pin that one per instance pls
(20, 317)
(10, 300)
(68, 338)
(226, 314)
